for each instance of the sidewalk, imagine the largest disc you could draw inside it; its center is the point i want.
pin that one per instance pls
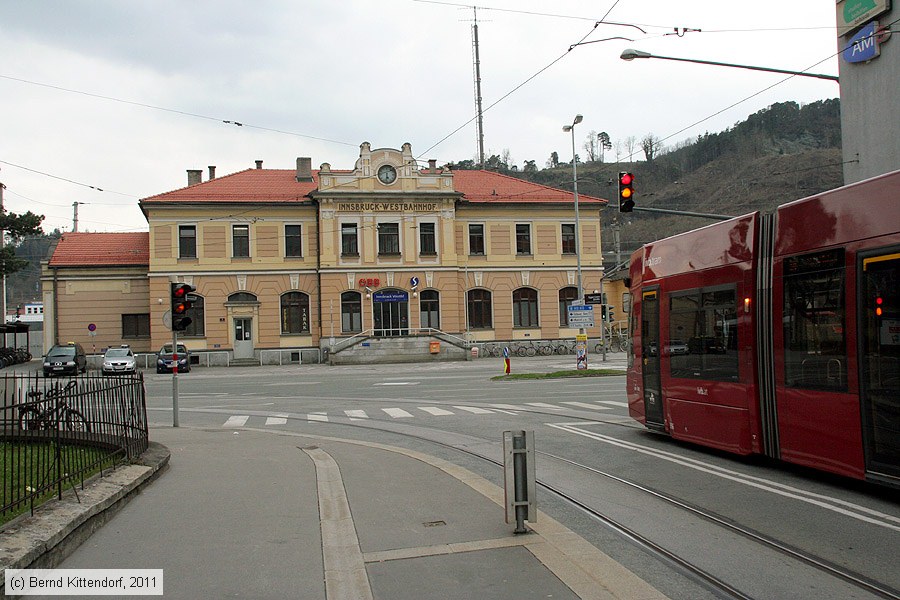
(253, 514)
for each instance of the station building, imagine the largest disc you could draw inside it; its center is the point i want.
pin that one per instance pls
(371, 264)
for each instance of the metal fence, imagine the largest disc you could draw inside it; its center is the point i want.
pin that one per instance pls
(55, 433)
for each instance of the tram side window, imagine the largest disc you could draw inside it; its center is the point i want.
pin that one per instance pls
(815, 347)
(703, 340)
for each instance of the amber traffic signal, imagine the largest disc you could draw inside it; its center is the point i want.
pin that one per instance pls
(626, 192)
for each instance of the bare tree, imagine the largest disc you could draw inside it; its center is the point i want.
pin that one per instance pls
(651, 146)
(630, 144)
(590, 146)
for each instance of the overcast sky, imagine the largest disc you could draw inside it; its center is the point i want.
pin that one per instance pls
(318, 77)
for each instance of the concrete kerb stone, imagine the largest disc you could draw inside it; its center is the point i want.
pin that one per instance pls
(58, 527)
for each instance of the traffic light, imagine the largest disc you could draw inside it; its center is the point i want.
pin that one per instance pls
(626, 192)
(610, 313)
(182, 299)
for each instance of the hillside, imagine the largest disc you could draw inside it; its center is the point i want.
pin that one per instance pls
(782, 153)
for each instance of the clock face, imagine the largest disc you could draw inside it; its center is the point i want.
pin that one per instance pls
(387, 174)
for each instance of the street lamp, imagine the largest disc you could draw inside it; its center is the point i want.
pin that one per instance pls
(631, 54)
(567, 128)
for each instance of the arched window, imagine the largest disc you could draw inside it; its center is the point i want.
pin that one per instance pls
(429, 309)
(479, 302)
(294, 312)
(567, 295)
(242, 297)
(525, 308)
(197, 315)
(351, 312)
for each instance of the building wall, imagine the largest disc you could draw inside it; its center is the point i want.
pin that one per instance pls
(870, 120)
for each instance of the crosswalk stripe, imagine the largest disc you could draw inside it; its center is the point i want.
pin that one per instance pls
(356, 414)
(236, 421)
(614, 403)
(323, 417)
(543, 405)
(277, 420)
(397, 413)
(474, 410)
(506, 406)
(586, 405)
(437, 412)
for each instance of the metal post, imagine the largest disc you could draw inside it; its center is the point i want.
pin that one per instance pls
(174, 374)
(519, 478)
(519, 470)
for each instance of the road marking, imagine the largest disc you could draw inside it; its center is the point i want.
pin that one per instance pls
(506, 406)
(356, 414)
(277, 420)
(543, 405)
(236, 421)
(437, 412)
(397, 413)
(474, 410)
(586, 405)
(613, 403)
(317, 416)
(398, 383)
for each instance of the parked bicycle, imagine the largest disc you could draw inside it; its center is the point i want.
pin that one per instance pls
(57, 413)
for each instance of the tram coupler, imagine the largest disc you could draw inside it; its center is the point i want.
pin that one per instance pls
(519, 479)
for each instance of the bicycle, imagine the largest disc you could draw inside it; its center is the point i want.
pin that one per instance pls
(32, 417)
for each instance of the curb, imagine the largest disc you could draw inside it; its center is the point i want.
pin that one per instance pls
(58, 527)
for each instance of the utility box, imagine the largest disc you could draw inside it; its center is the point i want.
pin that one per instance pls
(434, 347)
(519, 482)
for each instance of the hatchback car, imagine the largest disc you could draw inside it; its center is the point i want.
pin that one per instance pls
(165, 362)
(119, 361)
(65, 359)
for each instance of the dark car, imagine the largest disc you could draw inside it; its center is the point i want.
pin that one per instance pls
(67, 359)
(165, 362)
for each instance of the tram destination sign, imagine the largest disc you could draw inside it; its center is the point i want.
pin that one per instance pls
(580, 315)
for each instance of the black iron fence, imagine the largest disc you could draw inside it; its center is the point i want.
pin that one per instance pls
(55, 433)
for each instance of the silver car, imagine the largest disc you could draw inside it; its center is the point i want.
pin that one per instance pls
(119, 361)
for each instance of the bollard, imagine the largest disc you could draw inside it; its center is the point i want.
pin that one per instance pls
(519, 478)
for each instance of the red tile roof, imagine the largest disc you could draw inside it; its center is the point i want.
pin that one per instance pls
(102, 250)
(281, 185)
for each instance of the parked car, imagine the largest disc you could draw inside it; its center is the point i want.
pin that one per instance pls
(677, 347)
(65, 359)
(119, 361)
(165, 363)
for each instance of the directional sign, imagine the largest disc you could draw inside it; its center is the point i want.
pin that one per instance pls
(580, 315)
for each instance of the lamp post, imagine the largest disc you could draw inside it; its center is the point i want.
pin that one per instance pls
(580, 352)
(631, 54)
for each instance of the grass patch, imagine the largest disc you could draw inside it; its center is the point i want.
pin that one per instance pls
(27, 468)
(559, 374)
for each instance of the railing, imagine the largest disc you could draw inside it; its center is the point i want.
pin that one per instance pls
(56, 433)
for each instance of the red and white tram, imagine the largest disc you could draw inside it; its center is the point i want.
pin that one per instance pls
(777, 334)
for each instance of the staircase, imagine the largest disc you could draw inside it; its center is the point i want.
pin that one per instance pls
(400, 349)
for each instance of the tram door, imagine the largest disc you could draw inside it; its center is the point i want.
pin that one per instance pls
(880, 362)
(650, 351)
(390, 313)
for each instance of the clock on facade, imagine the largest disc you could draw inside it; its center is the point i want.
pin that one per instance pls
(387, 174)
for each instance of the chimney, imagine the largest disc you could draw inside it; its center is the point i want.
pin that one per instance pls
(304, 168)
(195, 176)
(212, 172)
(259, 164)
(432, 164)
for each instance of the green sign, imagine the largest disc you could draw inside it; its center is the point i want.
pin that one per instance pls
(851, 13)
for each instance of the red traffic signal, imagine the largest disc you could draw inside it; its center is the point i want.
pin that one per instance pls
(626, 192)
(182, 299)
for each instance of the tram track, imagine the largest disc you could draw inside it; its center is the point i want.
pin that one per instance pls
(693, 572)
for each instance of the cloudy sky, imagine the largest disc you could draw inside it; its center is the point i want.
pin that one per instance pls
(126, 96)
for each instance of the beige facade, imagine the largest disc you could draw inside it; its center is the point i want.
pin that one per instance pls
(303, 260)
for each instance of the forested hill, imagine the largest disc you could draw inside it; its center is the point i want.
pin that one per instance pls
(779, 154)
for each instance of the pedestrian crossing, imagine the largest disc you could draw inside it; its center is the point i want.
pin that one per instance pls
(237, 421)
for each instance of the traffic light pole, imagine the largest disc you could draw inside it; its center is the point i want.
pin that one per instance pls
(174, 377)
(685, 213)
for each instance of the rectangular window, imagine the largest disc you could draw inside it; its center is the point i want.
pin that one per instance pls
(523, 238)
(292, 241)
(240, 241)
(476, 239)
(703, 342)
(136, 326)
(427, 239)
(389, 238)
(187, 241)
(349, 245)
(568, 238)
(815, 348)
